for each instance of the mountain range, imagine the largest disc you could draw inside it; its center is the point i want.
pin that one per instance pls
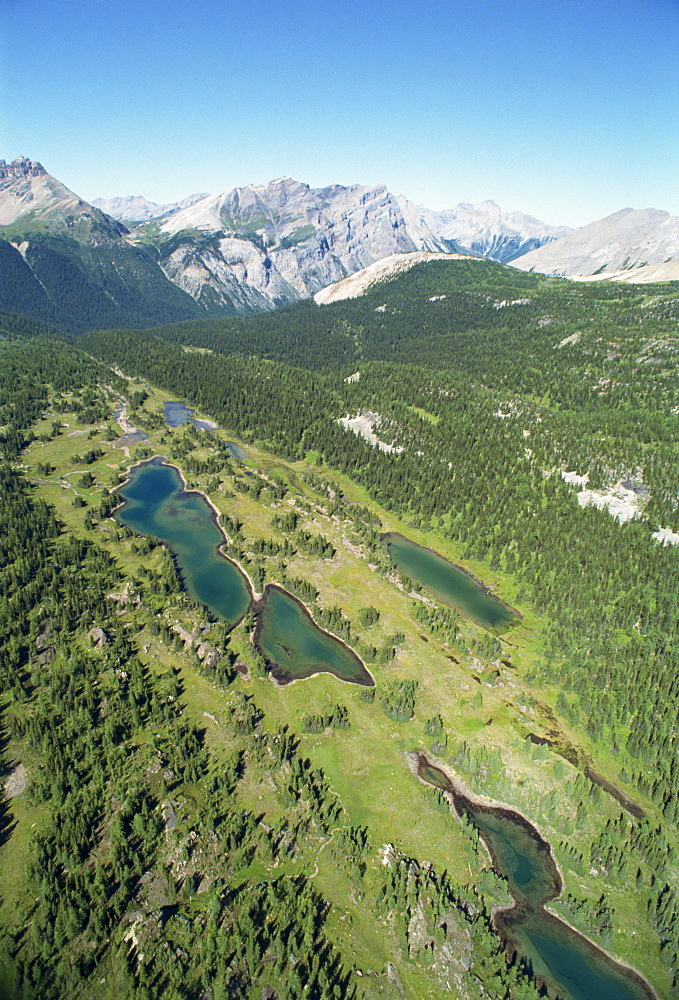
(130, 262)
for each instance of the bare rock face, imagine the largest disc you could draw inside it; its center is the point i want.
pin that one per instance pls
(277, 242)
(625, 241)
(17, 782)
(227, 274)
(267, 245)
(98, 637)
(21, 167)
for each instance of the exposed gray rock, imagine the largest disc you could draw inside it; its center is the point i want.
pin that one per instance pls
(207, 654)
(21, 167)
(485, 230)
(98, 637)
(17, 782)
(169, 815)
(266, 245)
(184, 635)
(621, 242)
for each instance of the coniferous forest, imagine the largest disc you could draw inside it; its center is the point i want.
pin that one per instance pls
(175, 825)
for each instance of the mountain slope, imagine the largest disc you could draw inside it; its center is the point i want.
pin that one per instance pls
(65, 261)
(31, 200)
(621, 242)
(274, 243)
(484, 229)
(135, 208)
(356, 284)
(315, 237)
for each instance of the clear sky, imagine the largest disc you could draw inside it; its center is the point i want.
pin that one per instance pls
(566, 109)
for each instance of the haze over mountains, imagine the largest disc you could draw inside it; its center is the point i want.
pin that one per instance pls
(641, 245)
(135, 208)
(127, 261)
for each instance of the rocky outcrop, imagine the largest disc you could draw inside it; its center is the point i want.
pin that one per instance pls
(21, 167)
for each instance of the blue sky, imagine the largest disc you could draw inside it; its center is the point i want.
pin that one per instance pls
(565, 109)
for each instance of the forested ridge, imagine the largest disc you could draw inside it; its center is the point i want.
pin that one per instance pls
(143, 873)
(490, 399)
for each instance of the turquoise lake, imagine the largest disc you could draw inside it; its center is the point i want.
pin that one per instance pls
(570, 965)
(158, 505)
(448, 583)
(293, 646)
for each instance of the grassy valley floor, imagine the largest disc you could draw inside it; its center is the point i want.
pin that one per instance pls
(407, 888)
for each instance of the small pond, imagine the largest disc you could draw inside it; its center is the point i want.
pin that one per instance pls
(449, 583)
(294, 647)
(177, 414)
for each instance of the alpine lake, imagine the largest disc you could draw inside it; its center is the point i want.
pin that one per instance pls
(449, 583)
(156, 503)
(293, 646)
(565, 961)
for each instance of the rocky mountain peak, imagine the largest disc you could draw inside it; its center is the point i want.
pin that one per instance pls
(21, 167)
(31, 199)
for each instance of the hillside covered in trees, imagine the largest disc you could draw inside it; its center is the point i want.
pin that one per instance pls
(188, 829)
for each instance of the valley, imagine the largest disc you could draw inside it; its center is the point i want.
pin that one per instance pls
(174, 794)
(339, 501)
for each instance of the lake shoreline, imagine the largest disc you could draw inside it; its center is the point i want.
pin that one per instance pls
(256, 608)
(216, 514)
(458, 788)
(516, 614)
(256, 598)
